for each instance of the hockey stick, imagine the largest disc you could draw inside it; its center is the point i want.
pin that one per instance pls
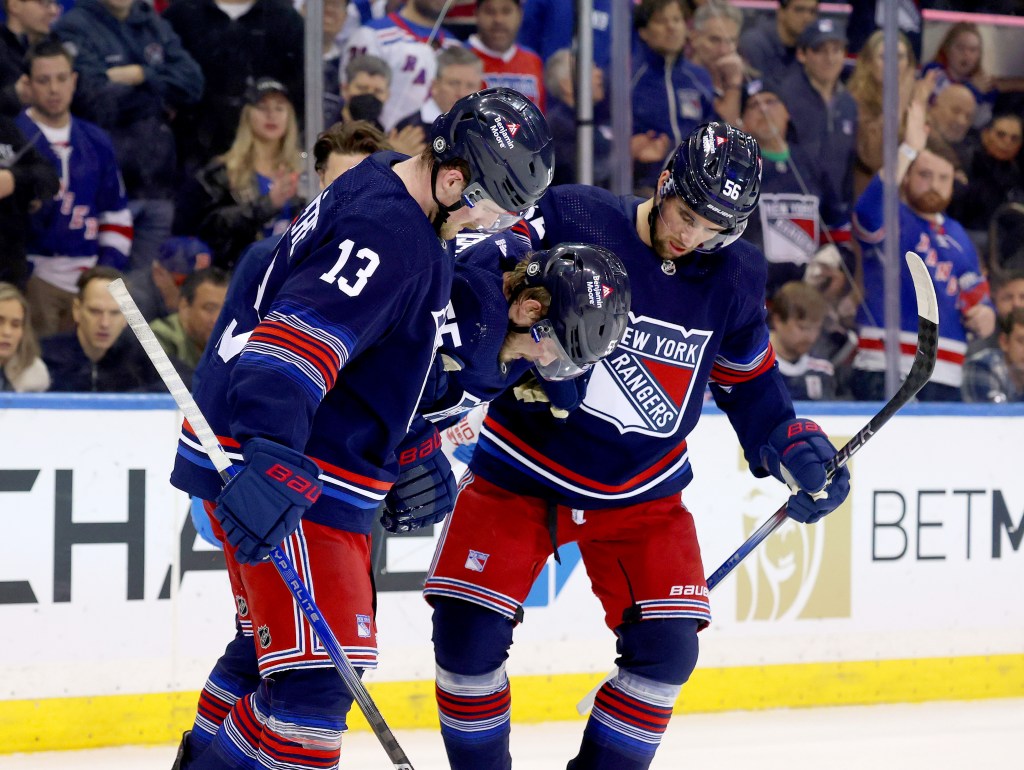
(283, 564)
(919, 374)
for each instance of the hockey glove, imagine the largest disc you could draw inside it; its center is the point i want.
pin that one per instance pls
(562, 396)
(796, 454)
(425, 490)
(264, 502)
(436, 386)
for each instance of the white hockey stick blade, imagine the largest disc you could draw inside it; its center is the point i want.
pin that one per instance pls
(927, 303)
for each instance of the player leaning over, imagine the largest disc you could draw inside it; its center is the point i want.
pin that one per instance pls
(610, 476)
(314, 395)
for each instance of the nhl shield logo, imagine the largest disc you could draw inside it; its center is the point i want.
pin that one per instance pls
(645, 384)
(243, 607)
(263, 634)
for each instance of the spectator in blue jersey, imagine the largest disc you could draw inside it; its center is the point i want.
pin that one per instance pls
(996, 375)
(824, 114)
(98, 356)
(27, 22)
(560, 81)
(88, 222)
(770, 45)
(671, 97)
(133, 74)
(252, 191)
(26, 180)
(799, 209)
(21, 368)
(459, 73)
(235, 43)
(924, 174)
(184, 334)
(610, 476)
(796, 315)
(318, 367)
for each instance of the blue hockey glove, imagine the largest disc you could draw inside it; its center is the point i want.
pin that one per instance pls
(796, 454)
(264, 502)
(425, 490)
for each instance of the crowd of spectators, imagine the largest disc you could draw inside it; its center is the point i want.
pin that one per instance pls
(159, 139)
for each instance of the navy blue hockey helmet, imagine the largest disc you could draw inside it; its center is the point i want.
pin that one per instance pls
(506, 142)
(716, 171)
(589, 311)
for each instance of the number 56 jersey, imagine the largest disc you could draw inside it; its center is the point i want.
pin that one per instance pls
(323, 345)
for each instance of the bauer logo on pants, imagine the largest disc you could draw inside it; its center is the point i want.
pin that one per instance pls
(801, 571)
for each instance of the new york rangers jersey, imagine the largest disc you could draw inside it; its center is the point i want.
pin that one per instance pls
(949, 253)
(627, 442)
(87, 221)
(327, 351)
(403, 45)
(477, 324)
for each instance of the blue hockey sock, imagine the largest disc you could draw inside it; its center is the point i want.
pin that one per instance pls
(237, 742)
(629, 717)
(235, 675)
(474, 713)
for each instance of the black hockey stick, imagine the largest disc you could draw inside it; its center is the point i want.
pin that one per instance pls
(919, 374)
(281, 561)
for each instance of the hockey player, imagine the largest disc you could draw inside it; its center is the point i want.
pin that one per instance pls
(313, 384)
(621, 461)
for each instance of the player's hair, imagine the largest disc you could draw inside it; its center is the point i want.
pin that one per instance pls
(798, 301)
(47, 48)
(28, 349)
(1012, 319)
(714, 9)
(240, 159)
(371, 65)
(194, 280)
(938, 146)
(645, 9)
(517, 278)
(427, 156)
(357, 137)
(100, 272)
(455, 55)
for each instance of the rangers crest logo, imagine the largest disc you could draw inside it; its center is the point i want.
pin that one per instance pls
(363, 626)
(263, 634)
(646, 383)
(476, 561)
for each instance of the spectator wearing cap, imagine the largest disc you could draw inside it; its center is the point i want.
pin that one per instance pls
(133, 73)
(87, 222)
(770, 46)
(506, 64)
(459, 73)
(798, 210)
(98, 356)
(671, 97)
(824, 114)
(27, 22)
(250, 192)
(185, 334)
(235, 42)
(158, 291)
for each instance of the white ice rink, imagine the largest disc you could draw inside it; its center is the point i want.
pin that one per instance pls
(930, 736)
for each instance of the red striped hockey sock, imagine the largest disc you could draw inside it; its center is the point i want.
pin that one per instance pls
(474, 713)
